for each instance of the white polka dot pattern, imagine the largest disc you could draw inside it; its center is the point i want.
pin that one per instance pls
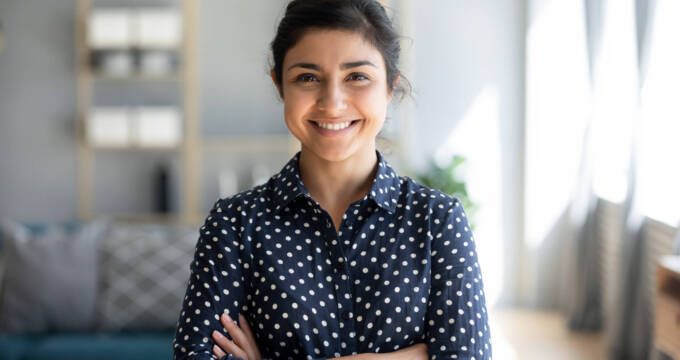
(401, 270)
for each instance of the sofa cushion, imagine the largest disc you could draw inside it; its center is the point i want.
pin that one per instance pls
(87, 346)
(50, 276)
(145, 270)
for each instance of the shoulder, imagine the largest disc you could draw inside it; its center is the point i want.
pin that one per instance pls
(440, 213)
(242, 200)
(234, 208)
(437, 201)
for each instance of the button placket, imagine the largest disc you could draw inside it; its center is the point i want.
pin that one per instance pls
(345, 285)
(343, 281)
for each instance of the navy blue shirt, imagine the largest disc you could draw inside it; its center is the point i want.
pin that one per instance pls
(401, 270)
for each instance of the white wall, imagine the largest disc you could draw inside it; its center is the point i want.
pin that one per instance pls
(466, 63)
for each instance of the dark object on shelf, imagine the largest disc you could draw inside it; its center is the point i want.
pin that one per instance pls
(2, 37)
(134, 61)
(162, 188)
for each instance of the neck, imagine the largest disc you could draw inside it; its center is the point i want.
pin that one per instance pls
(336, 183)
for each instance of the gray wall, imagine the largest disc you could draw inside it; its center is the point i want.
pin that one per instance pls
(37, 108)
(237, 94)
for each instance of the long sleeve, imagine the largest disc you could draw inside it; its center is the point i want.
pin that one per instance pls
(456, 321)
(216, 285)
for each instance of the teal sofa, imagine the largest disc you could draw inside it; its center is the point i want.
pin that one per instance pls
(103, 338)
(87, 346)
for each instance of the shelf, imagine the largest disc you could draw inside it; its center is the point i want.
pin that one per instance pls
(160, 218)
(667, 306)
(96, 76)
(136, 48)
(136, 148)
(671, 263)
(252, 143)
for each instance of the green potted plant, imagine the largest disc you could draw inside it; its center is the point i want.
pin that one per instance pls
(447, 179)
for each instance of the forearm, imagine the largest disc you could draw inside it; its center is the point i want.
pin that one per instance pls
(413, 352)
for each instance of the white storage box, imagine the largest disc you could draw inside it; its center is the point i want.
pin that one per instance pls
(108, 126)
(110, 28)
(158, 126)
(158, 28)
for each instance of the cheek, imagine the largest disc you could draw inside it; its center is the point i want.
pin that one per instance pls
(372, 104)
(296, 104)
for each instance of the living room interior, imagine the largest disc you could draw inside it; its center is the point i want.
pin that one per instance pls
(555, 122)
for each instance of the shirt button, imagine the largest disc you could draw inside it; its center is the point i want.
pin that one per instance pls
(340, 266)
(347, 223)
(328, 224)
(346, 315)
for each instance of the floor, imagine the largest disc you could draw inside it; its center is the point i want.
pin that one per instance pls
(530, 334)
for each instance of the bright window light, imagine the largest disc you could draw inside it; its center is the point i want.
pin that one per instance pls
(615, 101)
(557, 107)
(658, 172)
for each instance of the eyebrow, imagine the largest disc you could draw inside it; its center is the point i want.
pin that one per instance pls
(345, 66)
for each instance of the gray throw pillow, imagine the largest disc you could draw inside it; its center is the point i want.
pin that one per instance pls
(145, 269)
(50, 277)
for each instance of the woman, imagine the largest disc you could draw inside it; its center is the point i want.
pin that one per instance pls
(336, 255)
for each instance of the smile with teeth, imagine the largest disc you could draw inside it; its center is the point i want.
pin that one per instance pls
(338, 126)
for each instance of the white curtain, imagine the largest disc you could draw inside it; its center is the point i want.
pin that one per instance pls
(557, 117)
(603, 121)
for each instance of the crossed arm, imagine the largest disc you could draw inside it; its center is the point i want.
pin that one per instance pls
(245, 347)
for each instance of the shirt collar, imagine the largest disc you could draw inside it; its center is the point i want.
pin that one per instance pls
(286, 185)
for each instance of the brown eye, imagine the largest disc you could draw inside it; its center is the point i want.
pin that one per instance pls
(306, 78)
(357, 77)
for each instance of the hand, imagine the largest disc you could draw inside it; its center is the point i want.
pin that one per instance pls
(243, 346)
(413, 352)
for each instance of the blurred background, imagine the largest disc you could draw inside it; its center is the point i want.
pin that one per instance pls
(556, 122)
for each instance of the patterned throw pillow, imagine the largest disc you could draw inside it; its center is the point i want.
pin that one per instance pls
(50, 276)
(145, 270)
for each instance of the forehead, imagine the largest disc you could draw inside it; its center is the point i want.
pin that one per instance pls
(329, 48)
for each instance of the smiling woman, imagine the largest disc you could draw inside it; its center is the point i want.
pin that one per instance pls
(336, 255)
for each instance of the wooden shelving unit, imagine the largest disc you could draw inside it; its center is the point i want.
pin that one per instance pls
(667, 312)
(192, 147)
(185, 78)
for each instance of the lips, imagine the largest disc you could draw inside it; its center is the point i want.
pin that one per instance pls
(333, 122)
(335, 128)
(334, 125)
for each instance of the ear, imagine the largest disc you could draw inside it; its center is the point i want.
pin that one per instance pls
(278, 87)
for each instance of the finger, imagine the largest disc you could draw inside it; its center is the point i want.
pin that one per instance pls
(245, 327)
(218, 351)
(249, 333)
(235, 331)
(227, 345)
(422, 351)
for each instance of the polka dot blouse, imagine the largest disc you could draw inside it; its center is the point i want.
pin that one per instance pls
(401, 270)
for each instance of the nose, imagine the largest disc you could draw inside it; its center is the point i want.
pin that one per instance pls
(332, 99)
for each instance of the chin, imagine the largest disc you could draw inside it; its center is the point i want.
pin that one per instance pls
(332, 155)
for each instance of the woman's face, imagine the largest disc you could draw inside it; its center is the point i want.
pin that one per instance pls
(334, 78)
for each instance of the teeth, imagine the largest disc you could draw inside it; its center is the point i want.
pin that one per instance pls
(339, 126)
